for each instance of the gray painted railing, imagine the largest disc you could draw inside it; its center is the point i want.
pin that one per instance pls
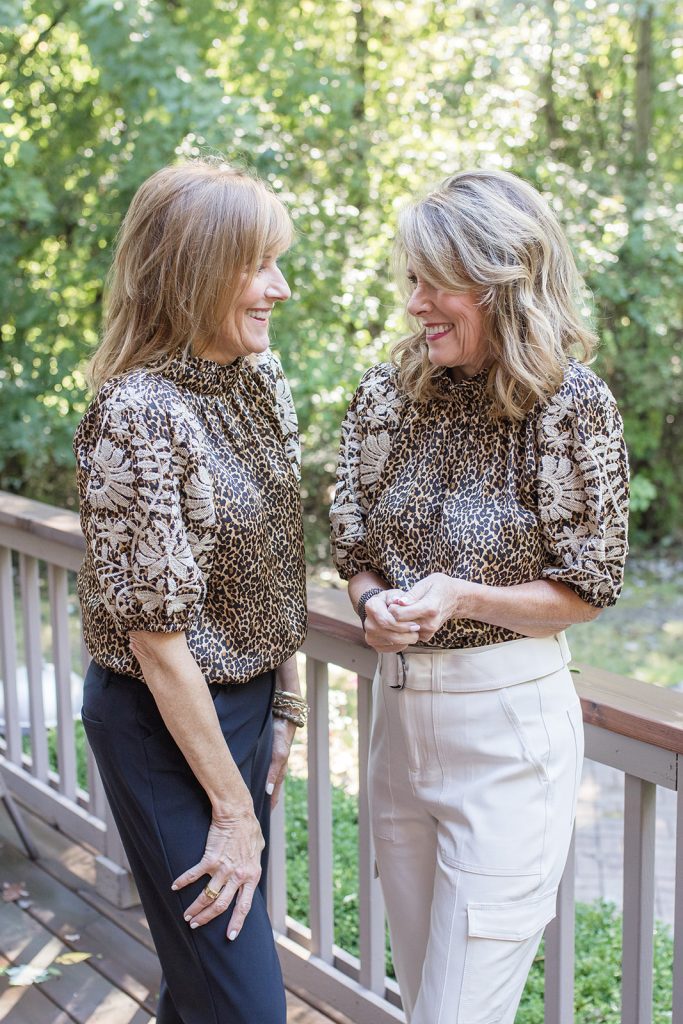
(631, 726)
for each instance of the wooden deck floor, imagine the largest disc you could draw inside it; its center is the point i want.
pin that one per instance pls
(63, 913)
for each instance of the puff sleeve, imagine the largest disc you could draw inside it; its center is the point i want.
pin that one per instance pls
(367, 434)
(147, 512)
(582, 486)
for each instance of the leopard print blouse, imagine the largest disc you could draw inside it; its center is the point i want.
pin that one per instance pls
(444, 487)
(188, 481)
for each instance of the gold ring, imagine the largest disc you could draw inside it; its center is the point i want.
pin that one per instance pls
(211, 894)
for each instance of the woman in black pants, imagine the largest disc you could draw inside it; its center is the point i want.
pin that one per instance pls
(192, 589)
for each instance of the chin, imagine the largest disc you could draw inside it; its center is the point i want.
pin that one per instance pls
(256, 345)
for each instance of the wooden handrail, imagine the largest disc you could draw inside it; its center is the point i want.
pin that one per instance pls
(625, 706)
(49, 522)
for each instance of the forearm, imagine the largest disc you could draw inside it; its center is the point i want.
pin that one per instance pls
(538, 609)
(287, 676)
(363, 581)
(184, 702)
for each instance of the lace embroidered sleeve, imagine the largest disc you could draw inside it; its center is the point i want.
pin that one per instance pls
(583, 488)
(367, 433)
(147, 511)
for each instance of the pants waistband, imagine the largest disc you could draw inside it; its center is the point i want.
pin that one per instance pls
(476, 668)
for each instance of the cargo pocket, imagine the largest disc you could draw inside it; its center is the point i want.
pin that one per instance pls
(502, 939)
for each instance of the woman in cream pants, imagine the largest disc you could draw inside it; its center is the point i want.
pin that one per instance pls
(480, 509)
(476, 759)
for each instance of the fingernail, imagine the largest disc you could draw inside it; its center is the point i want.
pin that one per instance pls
(174, 888)
(270, 788)
(194, 925)
(233, 935)
(188, 917)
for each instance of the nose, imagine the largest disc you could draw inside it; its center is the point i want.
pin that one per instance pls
(419, 303)
(278, 290)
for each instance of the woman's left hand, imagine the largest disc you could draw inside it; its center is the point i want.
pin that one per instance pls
(283, 734)
(431, 602)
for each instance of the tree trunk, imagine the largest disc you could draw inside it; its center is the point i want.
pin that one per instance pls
(643, 85)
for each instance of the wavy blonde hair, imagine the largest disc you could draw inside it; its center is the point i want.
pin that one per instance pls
(190, 243)
(491, 232)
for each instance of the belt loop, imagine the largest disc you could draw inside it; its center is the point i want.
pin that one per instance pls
(564, 647)
(401, 672)
(437, 672)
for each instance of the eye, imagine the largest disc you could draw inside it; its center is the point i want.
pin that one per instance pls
(412, 280)
(267, 262)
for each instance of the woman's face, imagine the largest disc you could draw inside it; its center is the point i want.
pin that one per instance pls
(247, 331)
(454, 326)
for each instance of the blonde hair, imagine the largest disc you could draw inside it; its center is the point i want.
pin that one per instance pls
(491, 232)
(191, 241)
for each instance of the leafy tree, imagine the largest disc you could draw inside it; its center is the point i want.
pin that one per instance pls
(347, 109)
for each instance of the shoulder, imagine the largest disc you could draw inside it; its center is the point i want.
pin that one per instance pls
(378, 397)
(582, 405)
(140, 405)
(581, 390)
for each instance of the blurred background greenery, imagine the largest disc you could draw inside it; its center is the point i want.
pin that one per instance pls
(347, 108)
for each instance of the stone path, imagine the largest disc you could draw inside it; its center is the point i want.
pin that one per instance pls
(600, 840)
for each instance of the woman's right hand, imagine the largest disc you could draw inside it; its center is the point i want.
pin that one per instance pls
(232, 860)
(382, 631)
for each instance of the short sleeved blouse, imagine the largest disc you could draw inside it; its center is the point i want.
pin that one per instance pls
(189, 503)
(442, 486)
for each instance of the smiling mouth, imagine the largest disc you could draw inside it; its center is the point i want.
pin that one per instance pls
(261, 315)
(436, 331)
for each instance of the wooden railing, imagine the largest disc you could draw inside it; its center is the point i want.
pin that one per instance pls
(631, 726)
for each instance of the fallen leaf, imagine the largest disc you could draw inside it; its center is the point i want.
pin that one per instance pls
(27, 974)
(72, 958)
(24, 904)
(13, 891)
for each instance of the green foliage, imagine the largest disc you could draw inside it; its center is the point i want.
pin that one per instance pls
(347, 109)
(597, 980)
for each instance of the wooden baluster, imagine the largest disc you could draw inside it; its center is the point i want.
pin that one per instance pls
(677, 1017)
(30, 599)
(61, 657)
(559, 951)
(371, 906)
(639, 900)
(277, 867)
(8, 653)
(319, 811)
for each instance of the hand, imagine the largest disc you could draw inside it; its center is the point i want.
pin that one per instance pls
(382, 630)
(232, 860)
(283, 734)
(430, 603)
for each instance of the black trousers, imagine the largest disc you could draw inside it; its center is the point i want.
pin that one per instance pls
(163, 816)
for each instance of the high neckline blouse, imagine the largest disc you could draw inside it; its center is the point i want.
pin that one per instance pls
(189, 502)
(443, 486)
(203, 376)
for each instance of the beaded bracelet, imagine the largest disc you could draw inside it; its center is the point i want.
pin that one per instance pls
(364, 598)
(290, 706)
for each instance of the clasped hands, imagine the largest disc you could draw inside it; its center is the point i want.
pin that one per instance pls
(395, 619)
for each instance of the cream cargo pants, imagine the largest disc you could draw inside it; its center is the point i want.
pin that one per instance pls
(475, 762)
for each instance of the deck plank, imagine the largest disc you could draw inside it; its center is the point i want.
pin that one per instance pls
(85, 994)
(119, 988)
(122, 960)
